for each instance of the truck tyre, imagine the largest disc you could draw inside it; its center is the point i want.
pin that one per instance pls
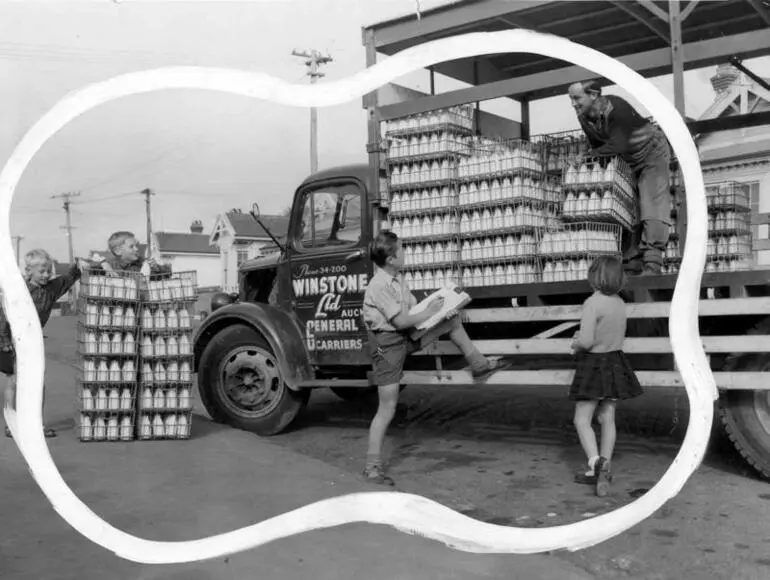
(240, 383)
(746, 419)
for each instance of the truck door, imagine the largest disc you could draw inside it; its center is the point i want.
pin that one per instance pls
(330, 269)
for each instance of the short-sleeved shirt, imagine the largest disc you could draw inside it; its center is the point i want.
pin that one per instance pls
(603, 323)
(385, 298)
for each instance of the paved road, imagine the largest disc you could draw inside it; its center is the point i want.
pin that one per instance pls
(497, 455)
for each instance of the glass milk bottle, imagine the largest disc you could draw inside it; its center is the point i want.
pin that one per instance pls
(125, 428)
(102, 372)
(147, 346)
(128, 372)
(129, 344)
(89, 371)
(159, 348)
(159, 320)
(116, 345)
(105, 319)
(92, 315)
(184, 318)
(147, 319)
(86, 399)
(172, 372)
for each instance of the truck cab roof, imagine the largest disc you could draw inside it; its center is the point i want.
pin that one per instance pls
(360, 171)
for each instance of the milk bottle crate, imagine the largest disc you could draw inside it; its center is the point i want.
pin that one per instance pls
(729, 223)
(111, 426)
(442, 143)
(110, 315)
(527, 271)
(454, 120)
(431, 255)
(497, 158)
(96, 287)
(167, 318)
(107, 344)
(600, 188)
(179, 287)
(155, 425)
(563, 148)
(431, 279)
(421, 201)
(166, 372)
(728, 196)
(441, 226)
(524, 218)
(511, 190)
(589, 239)
(510, 248)
(161, 346)
(732, 247)
(729, 263)
(168, 399)
(421, 175)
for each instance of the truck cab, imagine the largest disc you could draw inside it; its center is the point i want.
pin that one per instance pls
(297, 317)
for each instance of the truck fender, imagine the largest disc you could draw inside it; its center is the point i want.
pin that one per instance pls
(280, 330)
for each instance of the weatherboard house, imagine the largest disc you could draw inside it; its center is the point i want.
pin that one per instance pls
(239, 238)
(741, 155)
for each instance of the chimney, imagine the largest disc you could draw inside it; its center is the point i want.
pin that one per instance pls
(196, 227)
(726, 75)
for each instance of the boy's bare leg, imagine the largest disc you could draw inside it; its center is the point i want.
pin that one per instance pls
(459, 336)
(386, 410)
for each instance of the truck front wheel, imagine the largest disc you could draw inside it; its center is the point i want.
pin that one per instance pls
(241, 384)
(746, 418)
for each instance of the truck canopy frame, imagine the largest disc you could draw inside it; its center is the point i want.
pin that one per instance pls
(653, 38)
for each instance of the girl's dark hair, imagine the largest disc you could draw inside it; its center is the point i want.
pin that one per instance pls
(606, 275)
(384, 246)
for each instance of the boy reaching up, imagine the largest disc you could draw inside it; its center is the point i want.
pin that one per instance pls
(45, 292)
(387, 303)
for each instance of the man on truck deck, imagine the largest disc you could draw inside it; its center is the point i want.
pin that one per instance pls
(613, 127)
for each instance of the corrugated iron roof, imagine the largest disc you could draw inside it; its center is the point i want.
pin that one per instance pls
(184, 243)
(615, 28)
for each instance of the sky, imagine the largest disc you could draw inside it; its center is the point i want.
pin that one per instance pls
(201, 153)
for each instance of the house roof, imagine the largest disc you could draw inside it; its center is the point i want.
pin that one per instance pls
(736, 143)
(184, 243)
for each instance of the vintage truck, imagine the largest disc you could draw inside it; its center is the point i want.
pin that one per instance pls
(295, 325)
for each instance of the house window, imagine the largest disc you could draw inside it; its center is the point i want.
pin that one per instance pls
(331, 217)
(241, 255)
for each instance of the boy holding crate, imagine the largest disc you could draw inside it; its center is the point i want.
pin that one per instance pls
(45, 292)
(387, 303)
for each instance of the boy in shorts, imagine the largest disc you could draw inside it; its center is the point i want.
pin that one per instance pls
(387, 302)
(45, 292)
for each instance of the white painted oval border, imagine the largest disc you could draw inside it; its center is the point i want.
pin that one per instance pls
(409, 513)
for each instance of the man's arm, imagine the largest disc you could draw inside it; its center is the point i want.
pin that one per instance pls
(59, 286)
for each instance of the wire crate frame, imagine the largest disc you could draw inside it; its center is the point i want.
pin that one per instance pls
(89, 434)
(423, 201)
(575, 240)
(179, 431)
(528, 272)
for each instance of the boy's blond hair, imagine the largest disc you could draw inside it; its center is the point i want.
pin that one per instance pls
(118, 239)
(35, 257)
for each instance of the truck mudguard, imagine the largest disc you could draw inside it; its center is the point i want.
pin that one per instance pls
(279, 329)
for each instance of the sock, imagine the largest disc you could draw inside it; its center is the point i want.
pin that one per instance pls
(477, 360)
(373, 460)
(592, 464)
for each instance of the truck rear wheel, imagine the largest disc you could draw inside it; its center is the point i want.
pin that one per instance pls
(241, 384)
(746, 418)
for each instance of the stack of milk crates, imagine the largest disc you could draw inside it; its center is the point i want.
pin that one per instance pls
(165, 401)
(108, 323)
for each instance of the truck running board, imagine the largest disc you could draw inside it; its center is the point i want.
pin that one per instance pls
(755, 381)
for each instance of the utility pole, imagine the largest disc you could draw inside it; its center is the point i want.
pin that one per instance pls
(314, 59)
(18, 240)
(67, 197)
(147, 193)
